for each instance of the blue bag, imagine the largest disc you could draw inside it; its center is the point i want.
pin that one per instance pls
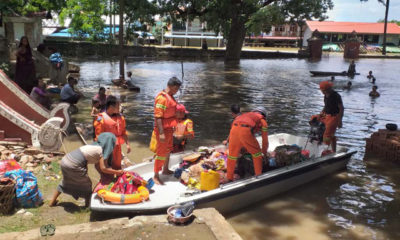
(26, 189)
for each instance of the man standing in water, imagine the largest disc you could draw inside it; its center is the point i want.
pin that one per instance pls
(165, 121)
(332, 114)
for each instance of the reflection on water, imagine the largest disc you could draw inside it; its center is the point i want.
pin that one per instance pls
(361, 203)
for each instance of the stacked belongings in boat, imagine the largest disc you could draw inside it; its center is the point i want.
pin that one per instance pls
(128, 188)
(203, 170)
(286, 155)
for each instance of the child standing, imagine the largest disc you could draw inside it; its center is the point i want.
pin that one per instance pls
(95, 108)
(183, 130)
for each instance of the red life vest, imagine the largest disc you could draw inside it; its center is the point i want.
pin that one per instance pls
(114, 126)
(250, 119)
(169, 119)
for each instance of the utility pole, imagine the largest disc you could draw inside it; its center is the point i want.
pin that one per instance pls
(121, 39)
(385, 29)
(110, 22)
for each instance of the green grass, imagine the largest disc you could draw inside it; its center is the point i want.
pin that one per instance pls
(69, 212)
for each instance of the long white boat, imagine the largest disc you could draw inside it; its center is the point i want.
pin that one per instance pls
(237, 194)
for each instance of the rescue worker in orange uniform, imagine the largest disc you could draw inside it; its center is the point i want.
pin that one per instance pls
(112, 121)
(332, 114)
(242, 136)
(165, 122)
(183, 129)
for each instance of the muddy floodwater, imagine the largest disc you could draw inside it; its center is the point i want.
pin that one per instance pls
(361, 202)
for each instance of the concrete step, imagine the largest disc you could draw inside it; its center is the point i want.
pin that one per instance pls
(12, 139)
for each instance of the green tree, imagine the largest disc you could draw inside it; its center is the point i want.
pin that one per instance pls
(24, 7)
(391, 21)
(233, 17)
(85, 18)
(139, 14)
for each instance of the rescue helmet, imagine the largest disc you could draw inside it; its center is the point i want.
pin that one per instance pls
(261, 110)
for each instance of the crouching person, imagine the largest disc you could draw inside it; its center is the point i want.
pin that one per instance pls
(74, 167)
(242, 135)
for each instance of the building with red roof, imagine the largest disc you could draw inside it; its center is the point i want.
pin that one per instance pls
(337, 32)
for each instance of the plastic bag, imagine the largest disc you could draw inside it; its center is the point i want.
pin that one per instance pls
(209, 180)
(153, 142)
(27, 192)
(8, 165)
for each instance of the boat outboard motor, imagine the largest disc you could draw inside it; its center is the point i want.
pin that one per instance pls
(317, 130)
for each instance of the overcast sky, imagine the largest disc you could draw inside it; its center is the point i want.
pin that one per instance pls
(357, 11)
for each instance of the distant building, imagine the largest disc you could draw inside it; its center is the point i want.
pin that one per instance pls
(286, 35)
(14, 27)
(192, 33)
(338, 32)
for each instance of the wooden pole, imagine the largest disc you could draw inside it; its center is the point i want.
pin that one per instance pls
(121, 39)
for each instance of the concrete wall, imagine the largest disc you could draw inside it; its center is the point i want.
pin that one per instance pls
(23, 26)
(193, 42)
(307, 35)
(86, 49)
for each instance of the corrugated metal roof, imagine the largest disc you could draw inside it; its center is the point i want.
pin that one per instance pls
(348, 27)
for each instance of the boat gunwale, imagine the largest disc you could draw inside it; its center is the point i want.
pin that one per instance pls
(242, 185)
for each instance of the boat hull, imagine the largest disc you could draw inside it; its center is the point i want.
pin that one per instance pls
(321, 73)
(232, 196)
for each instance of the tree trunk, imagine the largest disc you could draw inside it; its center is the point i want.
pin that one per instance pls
(121, 39)
(236, 37)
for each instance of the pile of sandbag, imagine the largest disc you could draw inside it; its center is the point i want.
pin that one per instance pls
(384, 143)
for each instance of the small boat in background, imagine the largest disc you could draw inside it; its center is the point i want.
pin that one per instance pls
(126, 84)
(323, 73)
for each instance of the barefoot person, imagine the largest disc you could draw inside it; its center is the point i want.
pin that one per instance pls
(74, 167)
(165, 121)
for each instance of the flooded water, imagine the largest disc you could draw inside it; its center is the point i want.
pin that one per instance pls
(361, 202)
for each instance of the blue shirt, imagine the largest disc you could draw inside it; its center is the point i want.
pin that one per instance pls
(67, 91)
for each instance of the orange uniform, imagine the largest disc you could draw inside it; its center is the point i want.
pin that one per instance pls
(116, 125)
(331, 123)
(184, 128)
(242, 136)
(164, 108)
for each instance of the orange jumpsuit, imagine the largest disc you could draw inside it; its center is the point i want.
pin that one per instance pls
(331, 123)
(183, 128)
(242, 136)
(164, 108)
(117, 126)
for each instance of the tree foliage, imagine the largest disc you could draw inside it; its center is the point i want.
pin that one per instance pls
(236, 17)
(24, 7)
(85, 18)
(139, 14)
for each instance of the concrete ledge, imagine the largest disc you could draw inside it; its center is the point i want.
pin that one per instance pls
(89, 49)
(217, 224)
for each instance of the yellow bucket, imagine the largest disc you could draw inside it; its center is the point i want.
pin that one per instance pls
(209, 180)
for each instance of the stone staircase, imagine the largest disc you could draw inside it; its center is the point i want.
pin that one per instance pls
(7, 139)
